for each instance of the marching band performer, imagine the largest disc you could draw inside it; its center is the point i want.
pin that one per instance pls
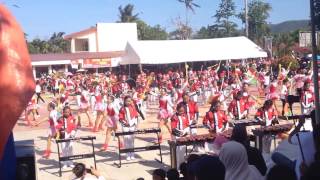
(215, 119)
(99, 108)
(238, 107)
(84, 106)
(66, 129)
(307, 104)
(272, 92)
(128, 116)
(166, 110)
(112, 110)
(307, 98)
(284, 93)
(32, 108)
(180, 128)
(192, 111)
(268, 115)
(53, 122)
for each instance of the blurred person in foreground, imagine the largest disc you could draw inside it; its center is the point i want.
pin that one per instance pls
(82, 173)
(234, 157)
(239, 134)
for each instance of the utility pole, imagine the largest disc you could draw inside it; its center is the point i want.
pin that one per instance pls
(246, 17)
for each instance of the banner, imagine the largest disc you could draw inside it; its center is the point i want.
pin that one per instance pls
(97, 63)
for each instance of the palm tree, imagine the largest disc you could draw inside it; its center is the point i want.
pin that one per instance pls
(189, 5)
(126, 14)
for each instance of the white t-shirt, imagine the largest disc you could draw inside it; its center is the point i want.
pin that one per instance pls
(284, 91)
(266, 80)
(54, 115)
(38, 88)
(308, 148)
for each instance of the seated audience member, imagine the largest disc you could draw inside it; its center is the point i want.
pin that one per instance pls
(234, 157)
(279, 172)
(173, 174)
(191, 158)
(306, 139)
(159, 174)
(183, 170)
(82, 173)
(255, 157)
(208, 168)
(312, 172)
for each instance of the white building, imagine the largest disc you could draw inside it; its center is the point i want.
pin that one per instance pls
(95, 47)
(112, 44)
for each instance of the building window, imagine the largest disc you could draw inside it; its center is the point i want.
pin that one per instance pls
(81, 45)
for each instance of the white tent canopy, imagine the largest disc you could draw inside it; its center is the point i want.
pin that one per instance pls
(177, 51)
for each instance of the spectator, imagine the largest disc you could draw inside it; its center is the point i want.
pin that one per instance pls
(306, 139)
(255, 157)
(279, 172)
(172, 174)
(183, 170)
(159, 174)
(313, 172)
(208, 168)
(191, 158)
(82, 173)
(234, 157)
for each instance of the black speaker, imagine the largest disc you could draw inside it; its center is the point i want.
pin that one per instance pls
(25, 153)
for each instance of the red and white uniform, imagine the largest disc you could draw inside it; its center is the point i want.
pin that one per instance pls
(53, 122)
(99, 103)
(273, 94)
(238, 108)
(284, 92)
(112, 115)
(128, 115)
(299, 80)
(215, 120)
(283, 74)
(84, 99)
(266, 116)
(32, 104)
(166, 107)
(307, 100)
(180, 122)
(178, 95)
(192, 109)
(125, 87)
(68, 124)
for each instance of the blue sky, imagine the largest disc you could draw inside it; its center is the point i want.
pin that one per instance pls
(40, 18)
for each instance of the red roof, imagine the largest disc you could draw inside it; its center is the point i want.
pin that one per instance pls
(80, 33)
(73, 56)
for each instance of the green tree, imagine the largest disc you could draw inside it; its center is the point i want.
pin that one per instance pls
(283, 43)
(258, 13)
(182, 32)
(58, 44)
(189, 5)
(55, 44)
(223, 14)
(146, 32)
(126, 14)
